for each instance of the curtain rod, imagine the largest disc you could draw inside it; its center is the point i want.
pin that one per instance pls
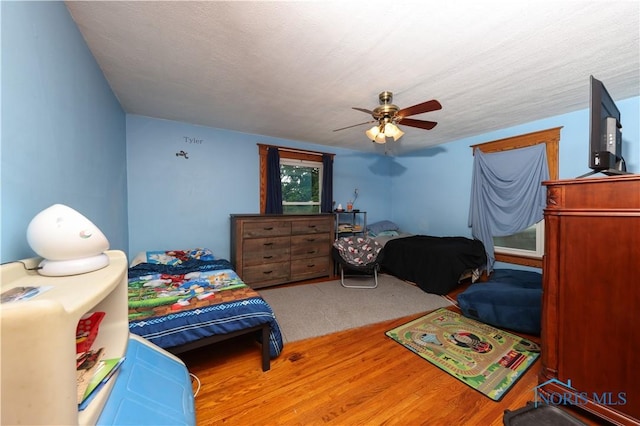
(301, 151)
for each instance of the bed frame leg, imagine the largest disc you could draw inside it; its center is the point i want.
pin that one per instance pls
(266, 354)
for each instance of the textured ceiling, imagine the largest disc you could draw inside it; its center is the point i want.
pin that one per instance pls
(294, 70)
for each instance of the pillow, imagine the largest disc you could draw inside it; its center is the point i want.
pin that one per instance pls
(387, 234)
(384, 225)
(171, 257)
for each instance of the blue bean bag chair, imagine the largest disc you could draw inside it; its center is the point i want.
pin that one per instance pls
(511, 299)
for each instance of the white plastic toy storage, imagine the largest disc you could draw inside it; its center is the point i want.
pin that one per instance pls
(38, 350)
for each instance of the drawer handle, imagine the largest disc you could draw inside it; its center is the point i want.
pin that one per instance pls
(267, 257)
(311, 251)
(311, 240)
(267, 244)
(312, 226)
(311, 265)
(267, 272)
(270, 228)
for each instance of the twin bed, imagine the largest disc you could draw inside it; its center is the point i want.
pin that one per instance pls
(435, 264)
(184, 299)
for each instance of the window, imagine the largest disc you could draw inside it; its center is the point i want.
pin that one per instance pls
(529, 242)
(301, 174)
(301, 186)
(525, 247)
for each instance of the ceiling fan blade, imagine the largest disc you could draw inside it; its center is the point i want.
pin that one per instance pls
(355, 125)
(363, 110)
(421, 124)
(428, 106)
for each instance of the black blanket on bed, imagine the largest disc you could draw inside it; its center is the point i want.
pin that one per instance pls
(433, 263)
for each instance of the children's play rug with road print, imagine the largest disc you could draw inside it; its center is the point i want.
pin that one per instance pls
(486, 358)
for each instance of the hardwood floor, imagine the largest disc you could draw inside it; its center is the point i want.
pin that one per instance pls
(355, 377)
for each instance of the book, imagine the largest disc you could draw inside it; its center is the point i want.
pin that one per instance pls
(106, 369)
(87, 363)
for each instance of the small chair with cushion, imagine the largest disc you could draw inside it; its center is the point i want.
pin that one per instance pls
(360, 256)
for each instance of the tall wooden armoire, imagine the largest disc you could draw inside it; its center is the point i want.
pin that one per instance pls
(591, 295)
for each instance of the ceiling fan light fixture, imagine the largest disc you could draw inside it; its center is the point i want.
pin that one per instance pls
(372, 133)
(380, 133)
(398, 134)
(390, 129)
(393, 131)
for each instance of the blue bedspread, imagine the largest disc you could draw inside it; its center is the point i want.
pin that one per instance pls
(174, 305)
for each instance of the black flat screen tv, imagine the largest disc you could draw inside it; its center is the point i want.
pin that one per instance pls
(605, 132)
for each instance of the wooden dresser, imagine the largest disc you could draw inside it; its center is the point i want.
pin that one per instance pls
(268, 250)
(591, 298)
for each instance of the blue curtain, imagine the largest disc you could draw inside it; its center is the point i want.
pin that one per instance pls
(506, 193)
(326, 198)
(274, 185)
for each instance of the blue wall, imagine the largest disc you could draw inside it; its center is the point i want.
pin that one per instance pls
(180, 203)
(63, 130)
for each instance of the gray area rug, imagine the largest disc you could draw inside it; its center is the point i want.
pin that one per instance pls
(312, 310)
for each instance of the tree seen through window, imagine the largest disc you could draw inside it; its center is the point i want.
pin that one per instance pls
(300, 187)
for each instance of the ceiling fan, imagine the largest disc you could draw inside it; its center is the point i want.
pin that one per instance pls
(388, 116)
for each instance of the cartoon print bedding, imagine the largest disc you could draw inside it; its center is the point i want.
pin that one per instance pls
(176, 299)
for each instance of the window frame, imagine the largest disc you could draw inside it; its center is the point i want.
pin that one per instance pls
(288, 153)
(551, 138)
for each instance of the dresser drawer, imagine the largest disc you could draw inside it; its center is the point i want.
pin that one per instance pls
(266, 274)
(311, 226)
(257, 251)
(266, 229)
(304, 246)
(303, 269)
